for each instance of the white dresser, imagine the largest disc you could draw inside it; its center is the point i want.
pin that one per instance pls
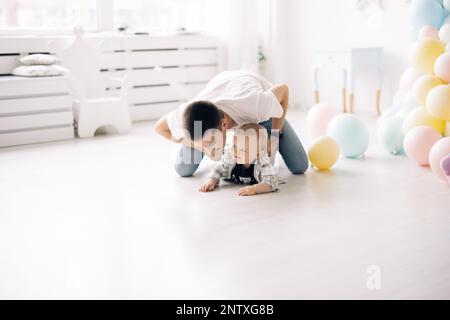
(191, 60)
(34, 110)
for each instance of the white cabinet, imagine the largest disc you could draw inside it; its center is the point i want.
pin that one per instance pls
(35, 110)
(349, 60)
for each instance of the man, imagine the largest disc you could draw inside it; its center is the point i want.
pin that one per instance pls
(231, 99)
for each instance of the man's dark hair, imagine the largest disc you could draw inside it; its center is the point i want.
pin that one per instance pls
(204, 112)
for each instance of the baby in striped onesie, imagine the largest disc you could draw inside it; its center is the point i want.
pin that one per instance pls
(247, 163)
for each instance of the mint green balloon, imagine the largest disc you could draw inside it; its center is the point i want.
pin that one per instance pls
(351, 133)
(391, 135)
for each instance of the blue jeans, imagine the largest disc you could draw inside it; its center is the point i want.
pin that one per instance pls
(290, 148)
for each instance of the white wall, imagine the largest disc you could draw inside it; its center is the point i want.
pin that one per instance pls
(320, 24)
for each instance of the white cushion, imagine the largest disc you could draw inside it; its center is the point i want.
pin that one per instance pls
(38, 59)
(40, 71)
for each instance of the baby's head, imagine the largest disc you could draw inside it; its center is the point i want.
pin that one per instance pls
(250, 143)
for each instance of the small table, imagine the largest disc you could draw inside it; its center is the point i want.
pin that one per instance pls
(349, 60)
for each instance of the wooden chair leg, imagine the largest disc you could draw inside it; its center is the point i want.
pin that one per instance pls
(352, 99)
(378, 102)
(344, 100)
(317, 96)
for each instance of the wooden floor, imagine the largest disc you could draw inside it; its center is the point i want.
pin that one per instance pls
(108, 218)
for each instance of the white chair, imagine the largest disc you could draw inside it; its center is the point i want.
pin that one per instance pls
(94, 111)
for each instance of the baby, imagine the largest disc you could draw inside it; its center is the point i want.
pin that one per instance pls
(247, 163)
(445, 164)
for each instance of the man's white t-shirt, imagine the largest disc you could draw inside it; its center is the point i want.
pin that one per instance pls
(244, 96)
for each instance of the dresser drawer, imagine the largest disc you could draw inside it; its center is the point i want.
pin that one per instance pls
(34, 121)
(36, 136)
(340, 58)
(35, 105)
(16, 87)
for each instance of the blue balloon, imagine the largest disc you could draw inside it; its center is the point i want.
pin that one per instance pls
(391, 135)
(351, 133)
(427, 13)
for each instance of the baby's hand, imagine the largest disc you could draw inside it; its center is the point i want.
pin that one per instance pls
(247, 191)
(208, 186)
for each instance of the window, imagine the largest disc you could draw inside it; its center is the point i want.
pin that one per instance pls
(162, 15)
(48, 14)
(60, 16)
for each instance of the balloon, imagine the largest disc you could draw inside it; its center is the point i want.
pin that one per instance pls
(324, 153)
(445, 165)
(447, 5)
(426, 12)
(438, 102)
(447, 129)
(351, 133)
(409, 104)
(423, 86)
(408, 78)
(398, 99)
(428, 32)
(444, 33)
(439, 150)
(446, 20)
(442, 67)
(421, 117)
(447, 48)
(390, 135)
(318, 119)
(390, 112)
(418, 143)
(425, 53)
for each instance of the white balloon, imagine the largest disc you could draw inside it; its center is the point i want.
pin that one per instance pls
(398, 99)
(444, 33)
(409, 104)
(446, 20)
(447, 5)
(388, 113)
(447, 48)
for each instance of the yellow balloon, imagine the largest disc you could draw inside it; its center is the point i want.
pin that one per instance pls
(423, 86)
(438, 102)
(421, 117)
(425, 53)
(324, 153)
(447, 129)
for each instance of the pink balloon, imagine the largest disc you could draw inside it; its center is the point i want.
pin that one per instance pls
(442, 67)
(318, 118)
(428, 32)
(408, 78)
(418, 143)
(440, 150)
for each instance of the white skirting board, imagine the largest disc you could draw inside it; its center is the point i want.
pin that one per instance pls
(36, 136)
